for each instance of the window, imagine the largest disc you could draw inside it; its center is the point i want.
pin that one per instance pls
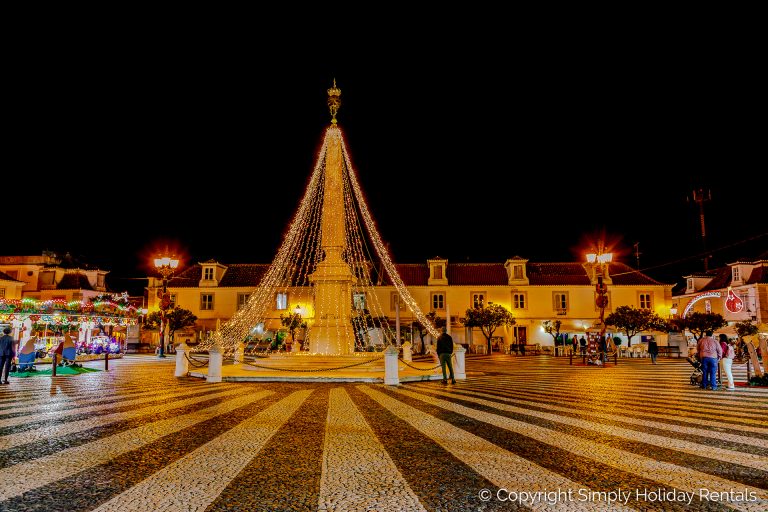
(100, 281)
(736, 274)
(517, 271)
(560, 302)
(393, 299)
(358, 301)
(281, 301)
(77, 296)
(478, 299)
(2, 293)
(242, 299)
(206, 301)
(690, 284)
(173, 300)
(438, 301)
(518, 301)
(208, 275)
(645, 301)
(438, 272)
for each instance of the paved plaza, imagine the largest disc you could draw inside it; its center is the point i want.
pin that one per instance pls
(527, 433)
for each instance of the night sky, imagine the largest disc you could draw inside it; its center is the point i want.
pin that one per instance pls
(469, 158)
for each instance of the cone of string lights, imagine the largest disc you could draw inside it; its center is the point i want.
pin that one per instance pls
(325, 270)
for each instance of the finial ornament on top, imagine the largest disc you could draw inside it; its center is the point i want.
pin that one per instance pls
(334, 101)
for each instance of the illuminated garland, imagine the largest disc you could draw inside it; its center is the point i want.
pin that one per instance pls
(33, 306)
(300, 253)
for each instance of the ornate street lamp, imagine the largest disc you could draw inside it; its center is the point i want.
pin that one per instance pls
(600, 260)
(165, 266)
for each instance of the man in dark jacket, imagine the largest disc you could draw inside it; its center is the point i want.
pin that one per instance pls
(7, 354)
(444, 352)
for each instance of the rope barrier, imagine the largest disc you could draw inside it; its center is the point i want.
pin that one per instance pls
(194, 362)
(311, 370)
(419, 369)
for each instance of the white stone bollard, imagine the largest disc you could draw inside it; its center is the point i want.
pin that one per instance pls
(215, 360)
(407, 353)
(391, 377)
(239, 353)
(459, 370)
(182, 364)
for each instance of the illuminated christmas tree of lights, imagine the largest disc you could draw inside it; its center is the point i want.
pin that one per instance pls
(324, 268)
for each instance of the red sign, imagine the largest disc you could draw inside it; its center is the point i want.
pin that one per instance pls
(733, 303)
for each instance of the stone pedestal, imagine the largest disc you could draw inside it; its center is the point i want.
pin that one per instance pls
(459, 369)
(391, 377)
(182, 364)
(407, 352)
(215, 360)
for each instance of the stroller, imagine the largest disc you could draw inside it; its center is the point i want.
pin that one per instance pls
(697, 374)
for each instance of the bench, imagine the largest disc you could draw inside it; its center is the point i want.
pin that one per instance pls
(669, 351)
(530, 349)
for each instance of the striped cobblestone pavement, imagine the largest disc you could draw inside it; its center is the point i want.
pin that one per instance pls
(521, 433)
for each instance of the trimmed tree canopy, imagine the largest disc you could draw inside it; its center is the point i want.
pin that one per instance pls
(631, 321)
(488, 319)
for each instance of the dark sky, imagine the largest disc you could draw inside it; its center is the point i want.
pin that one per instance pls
(474, 157)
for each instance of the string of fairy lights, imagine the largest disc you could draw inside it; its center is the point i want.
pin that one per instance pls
(287, 286)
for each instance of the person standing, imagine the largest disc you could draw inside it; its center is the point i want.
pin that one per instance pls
(727, 362)
(709, 353)
(583, 345)
(653, 349)
(444, 352)
(603, 346)
(7, 353)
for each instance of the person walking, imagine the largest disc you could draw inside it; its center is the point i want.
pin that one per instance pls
(653, 349)
(7, 353)
(727, 362)
(444, 352)
(709, 353)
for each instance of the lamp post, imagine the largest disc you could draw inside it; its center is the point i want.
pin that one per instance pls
(165, 266)
(600, 260)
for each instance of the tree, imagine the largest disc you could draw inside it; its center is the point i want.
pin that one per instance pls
(177, 318)
(745, 328)
(421, 329)
(631, 321)
(292, 321)
(699, 323)
(552, 328)
(488, 319)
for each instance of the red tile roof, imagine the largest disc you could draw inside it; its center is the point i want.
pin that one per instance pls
(244, 274)
(236, 275)
(187, 278)
(458, 274)
(557, 274)
(623, 274)
(721, 279)
(759, 275)
(412, 274)
(6, 277)
(490, 274)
